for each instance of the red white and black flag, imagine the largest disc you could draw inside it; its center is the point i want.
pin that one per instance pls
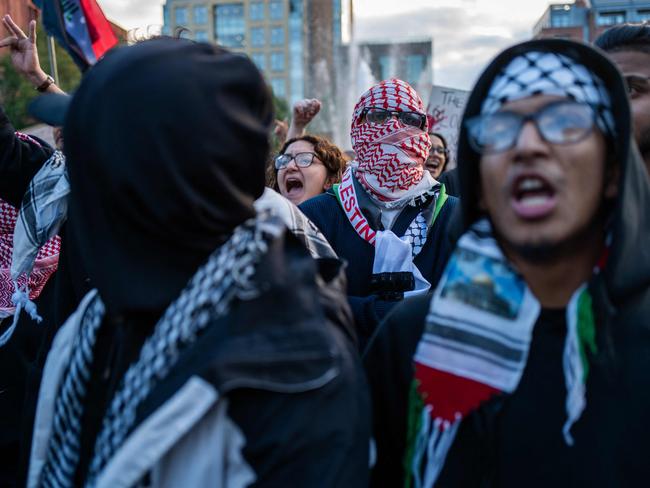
(80, 27)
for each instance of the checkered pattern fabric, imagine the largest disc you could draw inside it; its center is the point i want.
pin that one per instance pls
(542, 73)
(29, 246)
(227, 276)
(44, 257)
(389, 157)
(416, 234)
(63, 450)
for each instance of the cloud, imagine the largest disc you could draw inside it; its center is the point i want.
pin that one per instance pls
(132, 14)
(464, 39)
(467, 34)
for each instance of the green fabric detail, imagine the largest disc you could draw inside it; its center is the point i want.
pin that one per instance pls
(335, 189)
(586, 331)
(440, 202)
(414, 425)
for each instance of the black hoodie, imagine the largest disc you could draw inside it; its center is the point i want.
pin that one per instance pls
(517, 441)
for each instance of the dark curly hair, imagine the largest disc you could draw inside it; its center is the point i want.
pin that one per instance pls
(328, 153)
(625, 37)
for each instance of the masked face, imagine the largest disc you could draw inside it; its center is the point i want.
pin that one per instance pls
(390, 139)
(541, 195)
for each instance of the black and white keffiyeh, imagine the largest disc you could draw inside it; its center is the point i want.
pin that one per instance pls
(297, 223)
(227, 276)
(545, 73)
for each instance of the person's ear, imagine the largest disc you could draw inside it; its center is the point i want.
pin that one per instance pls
(329, 182)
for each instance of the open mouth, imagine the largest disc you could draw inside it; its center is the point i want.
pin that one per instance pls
(294, 186)
(533, 197)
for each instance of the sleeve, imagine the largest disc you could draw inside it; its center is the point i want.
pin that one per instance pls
(388, 365)
(20, 159)
(318, 438)
(368, 312)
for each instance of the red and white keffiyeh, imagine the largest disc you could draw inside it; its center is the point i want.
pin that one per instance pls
(390, 157)
(46, 262)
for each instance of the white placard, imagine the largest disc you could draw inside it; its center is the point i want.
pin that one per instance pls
(446, 106)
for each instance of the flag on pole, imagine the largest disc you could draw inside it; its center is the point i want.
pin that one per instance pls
(80, 27)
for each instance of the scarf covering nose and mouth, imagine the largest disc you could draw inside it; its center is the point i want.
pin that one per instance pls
(390, 157)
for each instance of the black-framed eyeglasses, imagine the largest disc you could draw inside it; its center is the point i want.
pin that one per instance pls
(303, 160)
(637, 85)
(378, 116)
(561, 122)
(439, 150)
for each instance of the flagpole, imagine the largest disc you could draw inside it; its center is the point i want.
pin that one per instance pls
(51, 51)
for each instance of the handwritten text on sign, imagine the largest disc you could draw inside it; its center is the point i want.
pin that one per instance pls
(446, 106)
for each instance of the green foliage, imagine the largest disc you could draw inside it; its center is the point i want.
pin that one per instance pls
(69, 74)
(281, 108)
(16, 92)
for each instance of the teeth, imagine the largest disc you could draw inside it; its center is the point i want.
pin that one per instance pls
(534, 200)
(529, 184)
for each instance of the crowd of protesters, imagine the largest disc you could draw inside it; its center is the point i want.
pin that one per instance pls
(181, 309)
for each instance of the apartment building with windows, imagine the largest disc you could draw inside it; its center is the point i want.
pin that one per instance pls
(291, 41)
(585, 20)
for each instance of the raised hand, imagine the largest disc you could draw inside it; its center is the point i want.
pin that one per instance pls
(24, 55)
(304, 111)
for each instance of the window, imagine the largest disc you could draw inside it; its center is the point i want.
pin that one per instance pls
(414, 67)
(384, 67)
(166, 29)
(260, 60)
(256, 11)
(200, 14)
(277, 36)
(279, 86)
(257, 37)
(201, 36)
(611, 18)
(643, 15)
(560, 19)
(277, 61)
(229, 24)
(276, 9)
(180, 15)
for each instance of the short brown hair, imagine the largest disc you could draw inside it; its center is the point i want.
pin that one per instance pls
(329, 154)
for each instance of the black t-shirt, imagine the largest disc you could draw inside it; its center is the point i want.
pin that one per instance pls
(516, 440)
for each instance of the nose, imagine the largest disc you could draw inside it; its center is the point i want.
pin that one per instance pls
(529, 142)
(291, 165)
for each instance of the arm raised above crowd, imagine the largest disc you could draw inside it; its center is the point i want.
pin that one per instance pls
(304, 112)
(24, 56)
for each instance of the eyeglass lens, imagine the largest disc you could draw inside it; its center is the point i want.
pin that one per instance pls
(380, 116)
(558, 123)
(302, 160)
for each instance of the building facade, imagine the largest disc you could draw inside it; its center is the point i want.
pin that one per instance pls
(292, 41)
(585, 20)
(22, 11)
(411, 61)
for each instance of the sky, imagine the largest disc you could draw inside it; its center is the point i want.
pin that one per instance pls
(466, 34)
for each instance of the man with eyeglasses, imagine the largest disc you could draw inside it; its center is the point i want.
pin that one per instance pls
(628, 45)
(528, 366)
(388, 216)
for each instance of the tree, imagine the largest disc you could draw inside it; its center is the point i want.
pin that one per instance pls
(16, 93)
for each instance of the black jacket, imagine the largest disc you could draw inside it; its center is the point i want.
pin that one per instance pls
(516, 440)
(369, 309)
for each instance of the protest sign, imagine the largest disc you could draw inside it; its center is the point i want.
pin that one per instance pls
(446, 106)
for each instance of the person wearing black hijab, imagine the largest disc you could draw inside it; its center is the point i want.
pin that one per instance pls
(212, 335)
